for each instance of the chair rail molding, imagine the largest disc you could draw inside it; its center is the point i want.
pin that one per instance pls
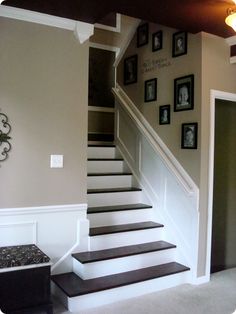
(81, 30)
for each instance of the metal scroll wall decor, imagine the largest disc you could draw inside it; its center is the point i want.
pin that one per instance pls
(5, 129)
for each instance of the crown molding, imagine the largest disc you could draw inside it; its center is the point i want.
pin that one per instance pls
(231, 40)
(81, 30)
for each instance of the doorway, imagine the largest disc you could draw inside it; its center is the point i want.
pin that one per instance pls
(101, 99)
(223, 253)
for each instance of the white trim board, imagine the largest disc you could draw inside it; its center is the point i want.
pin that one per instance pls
(81, 30)
(42, 209)
(214, 94)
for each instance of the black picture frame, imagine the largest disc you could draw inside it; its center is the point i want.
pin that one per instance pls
(189, 135)
(150, 90)
(184, 93)
(157, 39)
(164, 114)
(142, 35)
(130, 70)
(179, 44)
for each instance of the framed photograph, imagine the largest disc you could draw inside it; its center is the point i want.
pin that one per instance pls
(189, 136)
(164, 114)
(142, 35)
(184, 93)
(130, 70)
(179, 44)
(157, 41)
(150, 90)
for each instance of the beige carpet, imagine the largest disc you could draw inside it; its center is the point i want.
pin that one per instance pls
(216, 297)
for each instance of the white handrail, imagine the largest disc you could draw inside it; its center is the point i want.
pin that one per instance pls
(160, 147)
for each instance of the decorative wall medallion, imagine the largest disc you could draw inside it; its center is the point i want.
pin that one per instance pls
(5, 129)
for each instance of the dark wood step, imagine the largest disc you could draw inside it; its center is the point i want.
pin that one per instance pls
(105, 159)
(101, 145)
(103, 137)
(113, 190)
(104, 174)
(95, 256)
(72, 285)
(124, 228)
(106, 209)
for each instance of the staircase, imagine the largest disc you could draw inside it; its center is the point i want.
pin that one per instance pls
(128, 256)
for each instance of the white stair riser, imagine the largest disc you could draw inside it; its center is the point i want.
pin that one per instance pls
(118, 198)
(96, 299)
(105, 166)
(108, 241)
(119, 265)
(100, 182)
(101, 152)
(120, 217)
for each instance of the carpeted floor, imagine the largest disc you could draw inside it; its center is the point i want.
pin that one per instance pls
(216, 297)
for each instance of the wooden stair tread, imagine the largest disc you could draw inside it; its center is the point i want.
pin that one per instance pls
(73, 285)
(124, 228)
(105, 159)
(104, 137)
(104, 174)
(113, 190)
(114, 208)
(95, 256)
(101, 145)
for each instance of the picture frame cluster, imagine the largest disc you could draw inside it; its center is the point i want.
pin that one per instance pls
(183, 86)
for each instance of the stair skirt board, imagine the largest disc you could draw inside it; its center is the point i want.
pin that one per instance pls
(96, 299)
(108, 241)
(123, 264)
(120, 217)
(99, 182)
(117, 198)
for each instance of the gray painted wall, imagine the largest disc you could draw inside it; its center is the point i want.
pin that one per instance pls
(44, 92)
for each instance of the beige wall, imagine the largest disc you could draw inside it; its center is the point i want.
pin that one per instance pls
(43, 90)
(169, 68)
(218, 74)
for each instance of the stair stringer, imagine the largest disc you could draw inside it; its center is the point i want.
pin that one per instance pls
(169, 187)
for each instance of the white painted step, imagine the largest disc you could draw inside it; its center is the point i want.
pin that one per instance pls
(101, 152)
(119, 265)
(98, 166)
(120, 217)
(107, 241)
(115, 181)
(117, 198)
(93, 300)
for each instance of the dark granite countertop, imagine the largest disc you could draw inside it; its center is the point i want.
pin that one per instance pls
(21, 255)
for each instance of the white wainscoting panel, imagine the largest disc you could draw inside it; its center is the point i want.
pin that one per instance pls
(18, 233)
(56, 230)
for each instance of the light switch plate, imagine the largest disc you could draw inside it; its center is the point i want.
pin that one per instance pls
(56, 161)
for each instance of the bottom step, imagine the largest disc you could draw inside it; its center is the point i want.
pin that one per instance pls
(78, 294)
(73, 285)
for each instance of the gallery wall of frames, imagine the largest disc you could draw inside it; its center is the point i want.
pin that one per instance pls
(183, 86)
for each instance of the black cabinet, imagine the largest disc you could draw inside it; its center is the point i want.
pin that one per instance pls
(24, 281)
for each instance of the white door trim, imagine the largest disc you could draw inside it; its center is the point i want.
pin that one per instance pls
(214, 94)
